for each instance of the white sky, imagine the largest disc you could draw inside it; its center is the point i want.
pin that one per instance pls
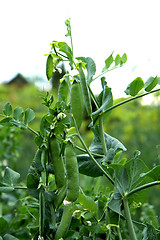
(98, 27)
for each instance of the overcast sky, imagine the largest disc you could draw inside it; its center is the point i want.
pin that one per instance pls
(98, 27)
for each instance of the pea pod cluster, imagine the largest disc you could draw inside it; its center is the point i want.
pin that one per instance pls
(72, 173)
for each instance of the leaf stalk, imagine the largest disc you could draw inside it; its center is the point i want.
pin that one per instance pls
(128, 219)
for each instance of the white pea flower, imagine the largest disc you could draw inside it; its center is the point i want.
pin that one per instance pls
(61, 115)
(59, 70)
(89, 223)
(52, 126)
(40, 238)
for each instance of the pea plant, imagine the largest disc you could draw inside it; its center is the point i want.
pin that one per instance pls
(56, 202)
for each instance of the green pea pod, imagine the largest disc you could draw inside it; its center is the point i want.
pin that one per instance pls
(72, 173)
(63, 91)
(77, 103)
(60, 195)
(41, 212)
(57, 162)
(43, 158)
(65, 222)
(85, 90)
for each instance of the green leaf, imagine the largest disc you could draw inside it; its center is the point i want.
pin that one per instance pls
(111, 142)
(150, 233)
(90, 66)
(10, 177)
(106, 101)
(49, 67)
(134, 168)
(5, 188)
(32, 181)
(115, 205)
(158, 80)
(63, 47)
(7, 110)
(29, 116)
(117, 60)
(32, 184)
(88, 203)
(18, 113)
(149, 215)
(9, 237)
(103, 83)
(18, 124)
(3, 226)
(87, 166)
(135, 86)
(67, 22)
(6, 121)
(109, 61)
(154, 173)
(122, 178)
(124, 58)
(150, 83)
(37, 164)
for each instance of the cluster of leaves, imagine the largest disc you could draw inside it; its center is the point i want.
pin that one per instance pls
(104, 214)
(138, 84)
(20, 118)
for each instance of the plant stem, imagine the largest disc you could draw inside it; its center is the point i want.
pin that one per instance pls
(32, 131)
(102, 134)
(142, 187)
(89, 153)
(20, 187)
(126, 101)
(93, 97)
(1, 115)
(108, 70)
(128, 219)
(71, 42)
(83, 150)
(130, 99)
(119, 233)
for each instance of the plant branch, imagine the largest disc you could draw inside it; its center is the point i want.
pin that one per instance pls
(93, 97)
(119, 233)
(20, 187)
(32, 130)
(89, 153)
(83, 150)
(62, 55)
(108, 70)
(130, 99)
(1, 115)
(71, 41)
(128, 219)
(126, 101)
(142, 187)
(102, 134)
